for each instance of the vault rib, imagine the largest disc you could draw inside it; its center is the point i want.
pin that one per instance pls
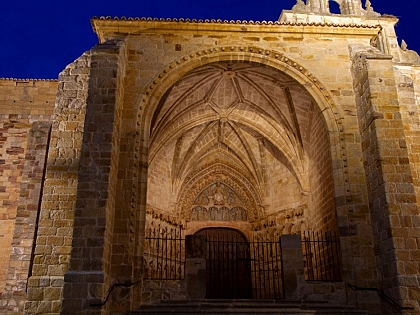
(248, 150)
(212, 148)
(231, 158)
(274, 126)
(286, 147)
(176, 160)
(292, 112)
(272, 104)
(166, 117)
(179, 131)
(189, 153)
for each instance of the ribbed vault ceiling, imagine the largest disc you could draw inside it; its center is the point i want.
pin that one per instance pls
(233, 113)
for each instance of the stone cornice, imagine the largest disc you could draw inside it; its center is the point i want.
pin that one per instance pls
(27, 80)
(108, 28)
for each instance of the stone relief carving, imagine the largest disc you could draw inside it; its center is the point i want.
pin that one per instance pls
(199, 213)
(159, 217)
(285, 221)
(369, 10)
(219, 202)
(219, 194)
(200, 189)
(299, 6)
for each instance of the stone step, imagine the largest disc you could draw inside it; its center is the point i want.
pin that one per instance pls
(248, 307)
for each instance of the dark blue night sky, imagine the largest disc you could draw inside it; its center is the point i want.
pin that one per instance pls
(41, 37)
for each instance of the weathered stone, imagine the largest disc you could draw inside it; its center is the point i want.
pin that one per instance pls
(269, 129)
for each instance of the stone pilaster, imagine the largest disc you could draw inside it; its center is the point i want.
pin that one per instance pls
(86, 280)
(55, 225)
(26, 218)
(392, 201)
(292, 266)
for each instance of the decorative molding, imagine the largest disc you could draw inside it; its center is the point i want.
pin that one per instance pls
(199, 213)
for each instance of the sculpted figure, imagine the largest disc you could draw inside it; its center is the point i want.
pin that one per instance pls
(299, 6)
(218, 197)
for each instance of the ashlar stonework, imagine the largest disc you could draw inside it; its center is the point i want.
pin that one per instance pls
(275, 130)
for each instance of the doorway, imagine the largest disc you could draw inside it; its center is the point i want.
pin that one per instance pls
(228, 264)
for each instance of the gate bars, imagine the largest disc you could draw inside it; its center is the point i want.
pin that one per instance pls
(267, 279)
(321, 254)
(227, 270)
(164, 259)
(164, 254)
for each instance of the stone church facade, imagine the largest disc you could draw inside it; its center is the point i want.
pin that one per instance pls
(272, 130)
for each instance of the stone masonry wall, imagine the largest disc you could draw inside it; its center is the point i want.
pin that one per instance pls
(392, 202)
(149, 56)
(90, 270)
(55, 230)
(92, 215)
(154, 59)
(26, 218)
(28, 97)
(408, 86)
(26, 112)
(322, 215)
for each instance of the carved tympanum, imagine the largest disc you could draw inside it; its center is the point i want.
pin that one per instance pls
(219, 202)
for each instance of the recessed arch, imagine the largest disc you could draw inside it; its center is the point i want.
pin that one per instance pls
(298, 80)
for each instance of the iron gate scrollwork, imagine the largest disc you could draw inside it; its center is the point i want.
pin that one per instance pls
(238, 269)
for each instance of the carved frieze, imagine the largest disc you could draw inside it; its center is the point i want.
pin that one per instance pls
(199, 213)
(285, 221)
(159, 217)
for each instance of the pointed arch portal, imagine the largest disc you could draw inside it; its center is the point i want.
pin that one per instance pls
(244, 145)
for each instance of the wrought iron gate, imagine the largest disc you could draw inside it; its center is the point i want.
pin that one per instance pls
(164, 254)
(238, 269)
(267, 279)
(321, 253)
